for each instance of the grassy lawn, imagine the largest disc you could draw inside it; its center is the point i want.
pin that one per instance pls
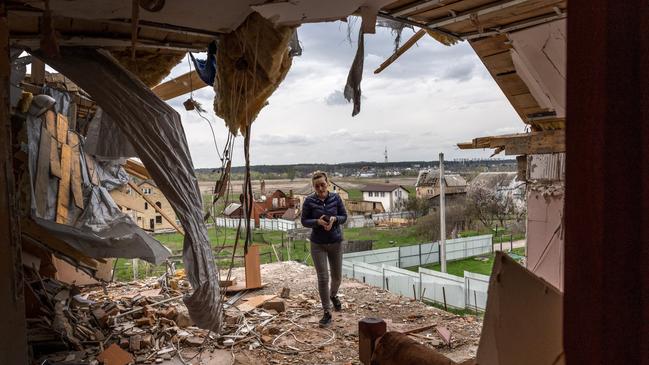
(355, 194)
(500, 236)
(479, 265)
(220, 237)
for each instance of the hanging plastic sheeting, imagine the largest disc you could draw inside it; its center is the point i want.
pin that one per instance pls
(63, 100)
(252, 61)
(105, 139)
(155, 131)
(100, 229)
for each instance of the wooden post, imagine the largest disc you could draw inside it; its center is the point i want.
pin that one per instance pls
(13, 337)
(253, 269)
(135, 269)
(369, 330)
(38, 71)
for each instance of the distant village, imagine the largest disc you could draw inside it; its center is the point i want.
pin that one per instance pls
(365, 191)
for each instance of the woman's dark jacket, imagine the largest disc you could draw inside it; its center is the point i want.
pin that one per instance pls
(313, 208)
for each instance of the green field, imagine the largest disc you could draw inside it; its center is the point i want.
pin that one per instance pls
(223, 239)
(479, 265)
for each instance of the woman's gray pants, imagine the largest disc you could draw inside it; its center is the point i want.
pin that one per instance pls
(321, 253)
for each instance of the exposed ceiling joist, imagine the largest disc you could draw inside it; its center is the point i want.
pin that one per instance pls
(385, 15)
(483, 10)
(522, 144)
(414, 8)
(517, 26)
(33, 42)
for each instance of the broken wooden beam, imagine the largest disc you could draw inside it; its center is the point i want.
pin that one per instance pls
(181, 85)
(406, 46)
(136, 169)
(549, 141)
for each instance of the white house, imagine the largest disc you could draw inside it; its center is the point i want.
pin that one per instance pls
(393, 197)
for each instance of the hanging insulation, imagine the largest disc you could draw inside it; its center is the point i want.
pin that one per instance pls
(251, 63)
(149, 66)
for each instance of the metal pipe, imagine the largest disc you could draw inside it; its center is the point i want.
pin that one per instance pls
(442, 213)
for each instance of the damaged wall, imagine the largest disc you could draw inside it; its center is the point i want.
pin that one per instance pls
(539, 56)
(545, 202)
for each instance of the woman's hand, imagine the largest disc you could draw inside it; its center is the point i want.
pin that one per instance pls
(322, 221)
(328, 227)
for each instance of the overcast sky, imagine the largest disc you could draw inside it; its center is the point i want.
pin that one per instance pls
(431, 98)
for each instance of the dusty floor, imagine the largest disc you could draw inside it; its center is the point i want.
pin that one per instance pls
(359, 301)
(160, 332)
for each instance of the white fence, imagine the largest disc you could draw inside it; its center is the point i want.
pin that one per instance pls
(232, 222)
(469, 292)
(424, 253)
(387, 215)
(383, 268)
(277, 224)
(358, 221)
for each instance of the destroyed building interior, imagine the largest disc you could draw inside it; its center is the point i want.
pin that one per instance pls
(83, 110)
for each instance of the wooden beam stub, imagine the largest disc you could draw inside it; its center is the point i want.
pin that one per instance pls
(549, 141)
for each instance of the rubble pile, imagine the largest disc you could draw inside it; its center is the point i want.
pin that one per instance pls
(146, 322)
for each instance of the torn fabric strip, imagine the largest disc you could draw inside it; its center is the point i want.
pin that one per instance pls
(155, 131)
(353, 86)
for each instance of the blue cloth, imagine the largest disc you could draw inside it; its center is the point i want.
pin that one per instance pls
(314, 207)
(206, 69)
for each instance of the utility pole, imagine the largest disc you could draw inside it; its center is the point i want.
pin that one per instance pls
(442, 213)
(387, 180)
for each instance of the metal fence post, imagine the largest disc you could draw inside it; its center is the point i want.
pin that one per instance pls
(421, 293)
(383, 277)
(399, 262)
(420, 258)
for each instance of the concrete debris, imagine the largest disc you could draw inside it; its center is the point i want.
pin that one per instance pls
(147, 321)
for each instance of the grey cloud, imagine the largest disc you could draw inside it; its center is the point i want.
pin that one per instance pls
(460, 71)
(336, 98)
(282, 140)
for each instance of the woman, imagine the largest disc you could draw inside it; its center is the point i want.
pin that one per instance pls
(325, 213)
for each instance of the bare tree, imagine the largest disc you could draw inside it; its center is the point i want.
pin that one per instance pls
(481, 204)
(418, 206)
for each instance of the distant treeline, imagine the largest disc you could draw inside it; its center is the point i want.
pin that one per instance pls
(354, 168)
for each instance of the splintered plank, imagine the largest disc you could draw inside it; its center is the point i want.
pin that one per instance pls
(42, 172)
(77, 191)
(64, 186)
(254, 302)
(55, 159)
(61, 128)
